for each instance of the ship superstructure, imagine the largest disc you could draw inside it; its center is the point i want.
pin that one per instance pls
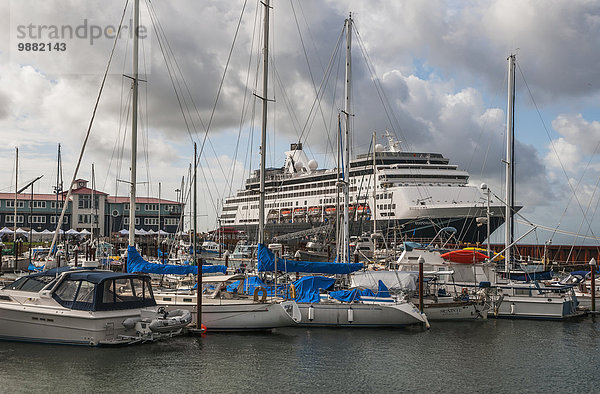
(417, 194)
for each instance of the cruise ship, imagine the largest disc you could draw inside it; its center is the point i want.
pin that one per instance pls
(416, 195)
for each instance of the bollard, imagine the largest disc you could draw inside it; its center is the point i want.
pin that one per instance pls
(421, 261)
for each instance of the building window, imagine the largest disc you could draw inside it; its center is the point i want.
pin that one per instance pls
(150, 221)
(151, 207)
(11, 204)
(53, 205)
(37, 219)
(137, 207)
(54, 219)
(171, 221)
(37, 204)
(83, 219)
(11, 218)
(85, 201)
(126, 221)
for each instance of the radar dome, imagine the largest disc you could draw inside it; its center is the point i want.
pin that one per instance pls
(378, 147)
(312, 165)
(298, 165)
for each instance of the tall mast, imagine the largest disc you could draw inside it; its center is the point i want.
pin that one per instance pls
(93, 207)
(58, 188)
(263, 136)
(134, 119)
(346, 230)
(374, 210)
(510, 140)
(16, 193)
(159, 213)
(196, 261)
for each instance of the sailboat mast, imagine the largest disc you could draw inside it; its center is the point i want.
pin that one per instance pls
(93, 207)
(510, 141)
(16, 193)
(374, 209)
(134, 119)
(346, 239)
(263, 136)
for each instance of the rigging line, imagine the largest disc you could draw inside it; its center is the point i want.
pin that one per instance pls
(379, 88)
(554, 149)
(590, 201)
(207, 128)
(122, 109)
(115, 150)
(246, 100)
(386, 103)
(312, 79)
(62, 215)
(321, 89)
(171, 77)
(146, 128)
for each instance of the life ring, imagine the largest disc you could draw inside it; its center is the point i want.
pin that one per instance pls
(292, 291)
(263, 298)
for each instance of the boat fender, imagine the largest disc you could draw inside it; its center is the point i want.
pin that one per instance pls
(350, 315)
(262, 290)
(130, 322)
(292, 291)
(311, 313)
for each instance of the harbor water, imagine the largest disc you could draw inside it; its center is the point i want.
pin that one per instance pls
(485, 356)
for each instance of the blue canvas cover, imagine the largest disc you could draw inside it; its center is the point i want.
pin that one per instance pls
(250, 284)
(266, 262)
(531, 276)
(351, 295)
(307, 288)
(382, 290)
(136, 263)
(162, 254)
(32, 267)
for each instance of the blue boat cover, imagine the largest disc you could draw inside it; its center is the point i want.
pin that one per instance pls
(531, 276)
(250, 284)
(383, 291)
(136, 263)
(162, 254)
(308, 287)
(32, 267)
(351, 295)
(266, 262)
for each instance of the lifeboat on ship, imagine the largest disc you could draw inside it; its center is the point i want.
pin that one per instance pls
(299, 212)
(314, 211)
(330, 211)
(286, 213)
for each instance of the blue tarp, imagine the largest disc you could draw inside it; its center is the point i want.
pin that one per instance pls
(383, 291)
(250, 284)
(351, 295)
(307, 288)
(34, 268)
(136, 263)
(162, 254)
(266, 262)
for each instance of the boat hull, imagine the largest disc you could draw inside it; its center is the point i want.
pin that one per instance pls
(69, 327)
(455, 311)
(523, 307)
(325, 314)
(235, 315)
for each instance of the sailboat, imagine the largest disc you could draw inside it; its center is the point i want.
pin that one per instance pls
(215, 310)
(529, 299)
(341, 308)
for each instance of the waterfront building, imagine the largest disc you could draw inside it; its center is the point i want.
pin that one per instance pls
(88, 209)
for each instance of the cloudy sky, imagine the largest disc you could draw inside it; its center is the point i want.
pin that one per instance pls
(441, 66)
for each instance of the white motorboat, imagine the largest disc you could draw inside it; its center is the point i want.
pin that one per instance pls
(85, 307)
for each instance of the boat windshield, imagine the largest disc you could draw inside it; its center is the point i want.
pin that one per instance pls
(104, 292)
(30, 283)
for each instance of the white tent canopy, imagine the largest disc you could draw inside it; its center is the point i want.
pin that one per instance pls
(85, 231)
(71, 232)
